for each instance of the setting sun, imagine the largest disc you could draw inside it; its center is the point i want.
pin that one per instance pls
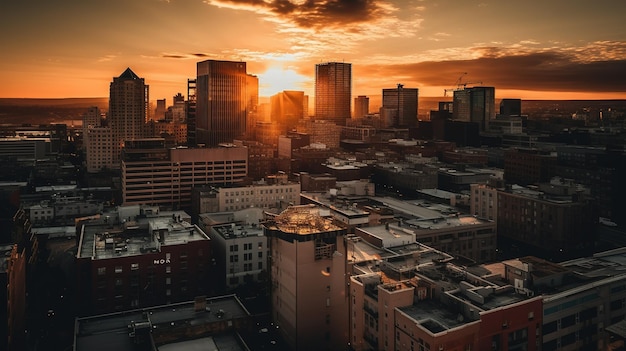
(276, 79)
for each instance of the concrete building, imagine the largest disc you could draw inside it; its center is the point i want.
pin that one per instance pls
(199, 324)
(413, 297)
(261, 158)
(222, 101)
(484, 202)
(100, 148)
(240, 249)
(140, 256)
(439, 226)
(24, 148)
(525, 166)
(321, 132)
(263, 194)
(554, 220)
(308, 279)
(155, 175)
(582, 298)
(333, 92)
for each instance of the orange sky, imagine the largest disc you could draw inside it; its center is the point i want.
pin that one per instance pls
(557, 49)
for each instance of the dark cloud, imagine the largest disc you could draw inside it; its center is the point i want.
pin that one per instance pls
(545, 71)
(315, 13)
(184, 56)
(173, 56)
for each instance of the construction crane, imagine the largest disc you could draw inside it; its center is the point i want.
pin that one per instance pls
(459, 85)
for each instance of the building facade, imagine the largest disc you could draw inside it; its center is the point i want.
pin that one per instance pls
(308, 279)
(138, 257)
(333, 91)
(401, 104)
(128, 109)
(361, 106)
(222, 101)
(155, 175)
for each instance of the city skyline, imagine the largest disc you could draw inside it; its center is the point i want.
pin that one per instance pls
(529, 50)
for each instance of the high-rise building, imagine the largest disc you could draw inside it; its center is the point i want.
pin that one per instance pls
(221, 101)
(361, 106)
(287, 108)
(333, 91)
(475, 104)
(308, 277)
(128, 107)
(401, 102)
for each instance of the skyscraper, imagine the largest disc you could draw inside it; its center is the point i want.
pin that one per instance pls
(401, 102)
(128, 110)
(333, 91)
(221, 101)
(128, 106)
(361, 106)
(476, 104)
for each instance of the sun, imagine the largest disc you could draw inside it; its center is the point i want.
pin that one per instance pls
(276, 79)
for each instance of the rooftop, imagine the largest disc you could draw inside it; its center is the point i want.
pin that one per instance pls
(303, 220)
(434, 316)
(121, 331)
(107, 237)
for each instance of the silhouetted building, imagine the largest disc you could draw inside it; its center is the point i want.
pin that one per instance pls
(13, 291)
(511, 107)
(555, 220)
(221, 101)
(333, 91)
(528, 166)
(476, 104)
(400, 106)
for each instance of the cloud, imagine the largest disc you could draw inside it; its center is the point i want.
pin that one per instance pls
(320, 26)
(597, 67)
(310, 13)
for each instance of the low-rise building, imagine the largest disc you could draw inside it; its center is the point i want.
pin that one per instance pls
(207, 324)
(239, 247)
(137, 257)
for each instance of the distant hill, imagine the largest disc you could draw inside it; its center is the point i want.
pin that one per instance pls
(45, 111)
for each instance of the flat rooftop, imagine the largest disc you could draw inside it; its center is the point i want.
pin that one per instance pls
(234, 230)
(111, 331)
(434, 316)
(101, 240)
